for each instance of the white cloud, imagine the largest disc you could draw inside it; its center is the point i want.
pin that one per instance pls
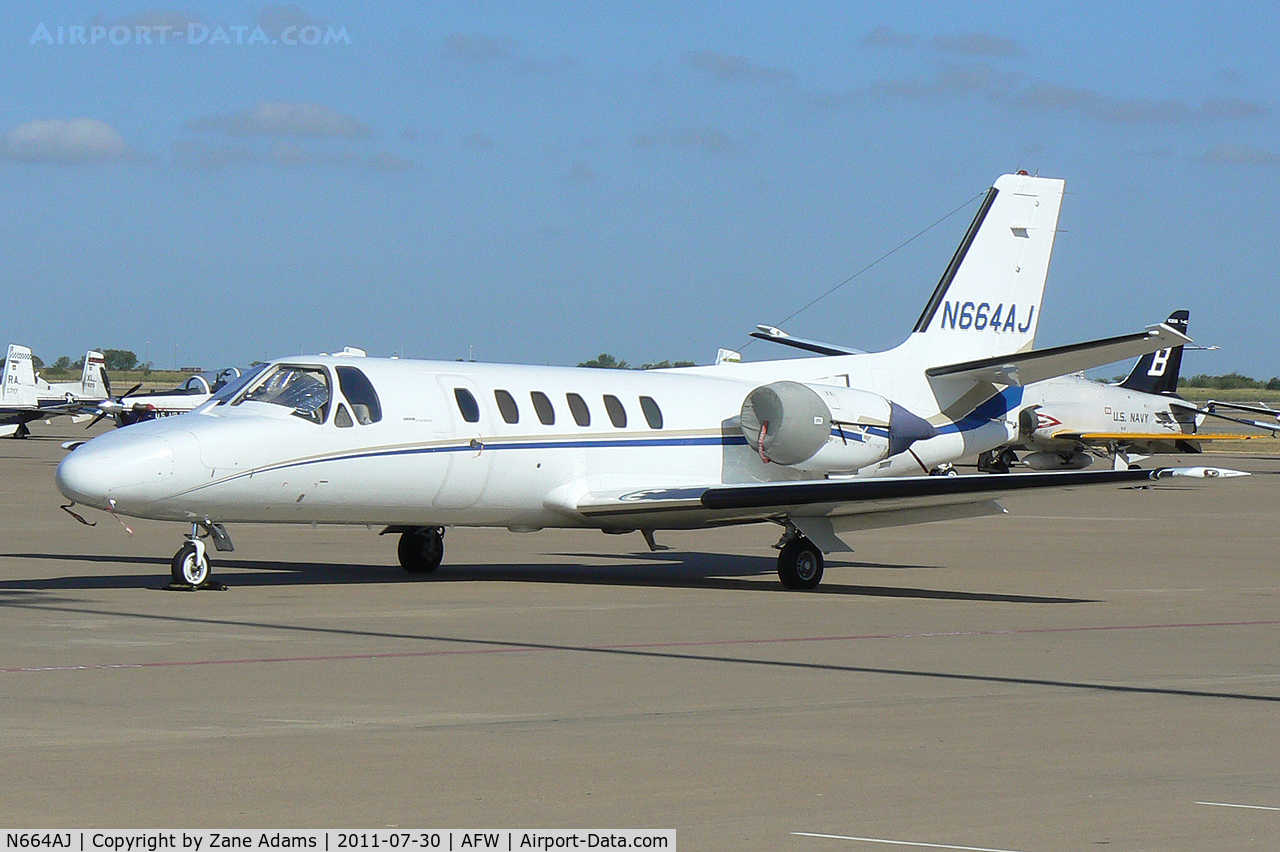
(978, 44)
(478, 48)
(1136, 110)
(952, 81)
(705, 139)
(285, 118)
(579, 174)
(77, 141)
(888, 37)
(969, 79)
(274, 20)
(193, 154)
(726, 67)
(1232, 154)
(174, 20)
(293, 155)
(385, 161)
(501, 53)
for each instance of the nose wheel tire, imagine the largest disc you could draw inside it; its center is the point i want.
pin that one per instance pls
(421, 550)
(190, 566)
(800, 564)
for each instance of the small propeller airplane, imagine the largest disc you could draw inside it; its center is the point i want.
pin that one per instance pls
(134, 407)
(820, 447)
(27, 397)
(1067, 420)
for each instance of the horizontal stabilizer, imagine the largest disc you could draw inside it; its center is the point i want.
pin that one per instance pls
(1239, 406)
(1211, 410)
(1038, 365)
(777, 335)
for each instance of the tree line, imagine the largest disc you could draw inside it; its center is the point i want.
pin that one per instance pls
(606, 361)
(114, 360)
(1230, 381)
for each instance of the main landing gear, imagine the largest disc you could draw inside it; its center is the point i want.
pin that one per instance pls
(997, 461)
(189, 567)
(799, 562)
(421, 549)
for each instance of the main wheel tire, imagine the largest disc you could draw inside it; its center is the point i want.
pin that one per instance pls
(800, 565)
(420, 551)
(187, 569)
(993, 462)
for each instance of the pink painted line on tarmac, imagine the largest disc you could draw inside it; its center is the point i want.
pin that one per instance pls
(632, 646)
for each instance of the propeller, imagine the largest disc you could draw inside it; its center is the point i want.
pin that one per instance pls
(112, 405)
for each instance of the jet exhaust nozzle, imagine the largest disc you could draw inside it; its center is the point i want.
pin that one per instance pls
(906, 428)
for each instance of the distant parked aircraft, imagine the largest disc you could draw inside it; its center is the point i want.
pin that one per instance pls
(27, 397)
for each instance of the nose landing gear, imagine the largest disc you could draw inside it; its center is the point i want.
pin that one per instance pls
(189, 567)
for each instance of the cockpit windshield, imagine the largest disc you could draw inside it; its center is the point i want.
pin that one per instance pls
(303, 389)
(232, 387)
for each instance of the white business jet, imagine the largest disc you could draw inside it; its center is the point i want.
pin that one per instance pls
(817, 446)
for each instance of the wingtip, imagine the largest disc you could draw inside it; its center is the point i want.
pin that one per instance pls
(1199, 472)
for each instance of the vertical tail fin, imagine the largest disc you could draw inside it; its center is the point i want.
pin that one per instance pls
(92, 385)
(988, 301)
(1158, 372)
(19, 377)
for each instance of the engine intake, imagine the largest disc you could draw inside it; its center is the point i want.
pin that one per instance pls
(827, 429)
(786, 422)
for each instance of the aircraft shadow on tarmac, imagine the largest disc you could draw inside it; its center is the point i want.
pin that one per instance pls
(667, 569)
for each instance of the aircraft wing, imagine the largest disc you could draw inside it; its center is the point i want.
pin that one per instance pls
(1130, 437)
(822, 508)
(1149, 442)
(1040, 364)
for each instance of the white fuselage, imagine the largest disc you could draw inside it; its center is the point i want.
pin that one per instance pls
(1076, 405)
(430, 461)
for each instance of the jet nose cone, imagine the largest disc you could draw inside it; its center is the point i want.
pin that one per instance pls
(116, 466)
(83, 476)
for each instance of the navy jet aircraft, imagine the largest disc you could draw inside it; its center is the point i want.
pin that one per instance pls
(1066, 421)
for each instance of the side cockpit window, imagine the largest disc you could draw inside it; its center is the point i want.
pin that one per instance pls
(233, 387)
(303, 389)
(358, 390)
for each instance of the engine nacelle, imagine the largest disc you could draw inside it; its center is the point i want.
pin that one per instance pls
(827, 429)
(1058, 461)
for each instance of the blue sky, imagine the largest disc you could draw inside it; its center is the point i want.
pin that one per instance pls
(542, 182)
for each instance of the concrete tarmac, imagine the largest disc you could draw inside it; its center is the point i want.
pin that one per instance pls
(1096, 669)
